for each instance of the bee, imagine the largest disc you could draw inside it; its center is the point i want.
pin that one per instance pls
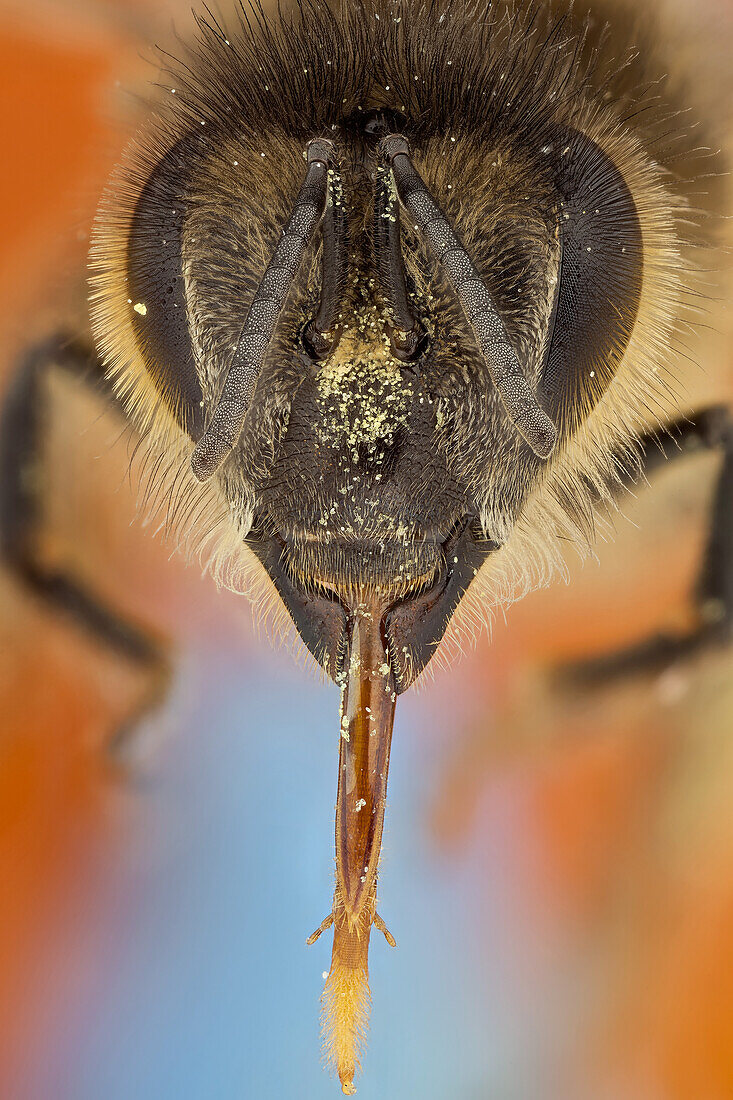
(396, 299)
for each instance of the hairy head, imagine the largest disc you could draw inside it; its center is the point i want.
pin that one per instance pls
(396, 366)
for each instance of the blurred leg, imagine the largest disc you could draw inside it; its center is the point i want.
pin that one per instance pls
(711, 429)
(23, 420)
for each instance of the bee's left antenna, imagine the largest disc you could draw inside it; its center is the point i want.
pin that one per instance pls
(225, 426)
(519, 400)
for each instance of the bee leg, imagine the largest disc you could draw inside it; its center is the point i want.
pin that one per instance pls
(22, 423)
(122, 746)
(710, 429)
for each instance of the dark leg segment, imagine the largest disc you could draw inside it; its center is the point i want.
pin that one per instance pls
(711, 429)
(22, 424)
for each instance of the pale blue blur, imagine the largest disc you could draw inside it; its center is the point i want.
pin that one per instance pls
(225, 866)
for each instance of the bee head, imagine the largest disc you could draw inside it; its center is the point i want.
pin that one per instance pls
(379, 342)
(358, 512)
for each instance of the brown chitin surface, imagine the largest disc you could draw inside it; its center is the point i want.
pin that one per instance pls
(367, 716)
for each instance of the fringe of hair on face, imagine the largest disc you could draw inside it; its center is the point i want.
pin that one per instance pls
(251, 72)
(574, 503)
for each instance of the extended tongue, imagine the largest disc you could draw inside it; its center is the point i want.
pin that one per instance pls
(367, 716)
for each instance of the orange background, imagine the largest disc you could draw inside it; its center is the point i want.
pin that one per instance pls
(623, 820)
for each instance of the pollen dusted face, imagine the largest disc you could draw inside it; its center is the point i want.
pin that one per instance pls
(359, 496)
(387, 291)
(358, 462)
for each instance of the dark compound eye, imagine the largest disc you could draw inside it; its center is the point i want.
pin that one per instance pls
(599, 288)
(156, 286)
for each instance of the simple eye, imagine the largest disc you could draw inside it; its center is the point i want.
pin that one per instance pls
(156, 287)
(599, 286)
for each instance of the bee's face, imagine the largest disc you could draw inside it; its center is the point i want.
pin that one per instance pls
(375, 479)
(360, 509)
(361, 476)
(371, 479)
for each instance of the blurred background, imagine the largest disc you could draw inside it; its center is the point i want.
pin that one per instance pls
(558, 869)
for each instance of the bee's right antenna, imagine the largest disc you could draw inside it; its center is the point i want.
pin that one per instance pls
(521, 403)
(407, 335)
(259, 326)
(321, 334)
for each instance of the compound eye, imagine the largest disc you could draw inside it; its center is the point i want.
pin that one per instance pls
(156, 286)
(600, 279)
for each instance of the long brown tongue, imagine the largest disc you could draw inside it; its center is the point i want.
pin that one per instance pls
(367, 716)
